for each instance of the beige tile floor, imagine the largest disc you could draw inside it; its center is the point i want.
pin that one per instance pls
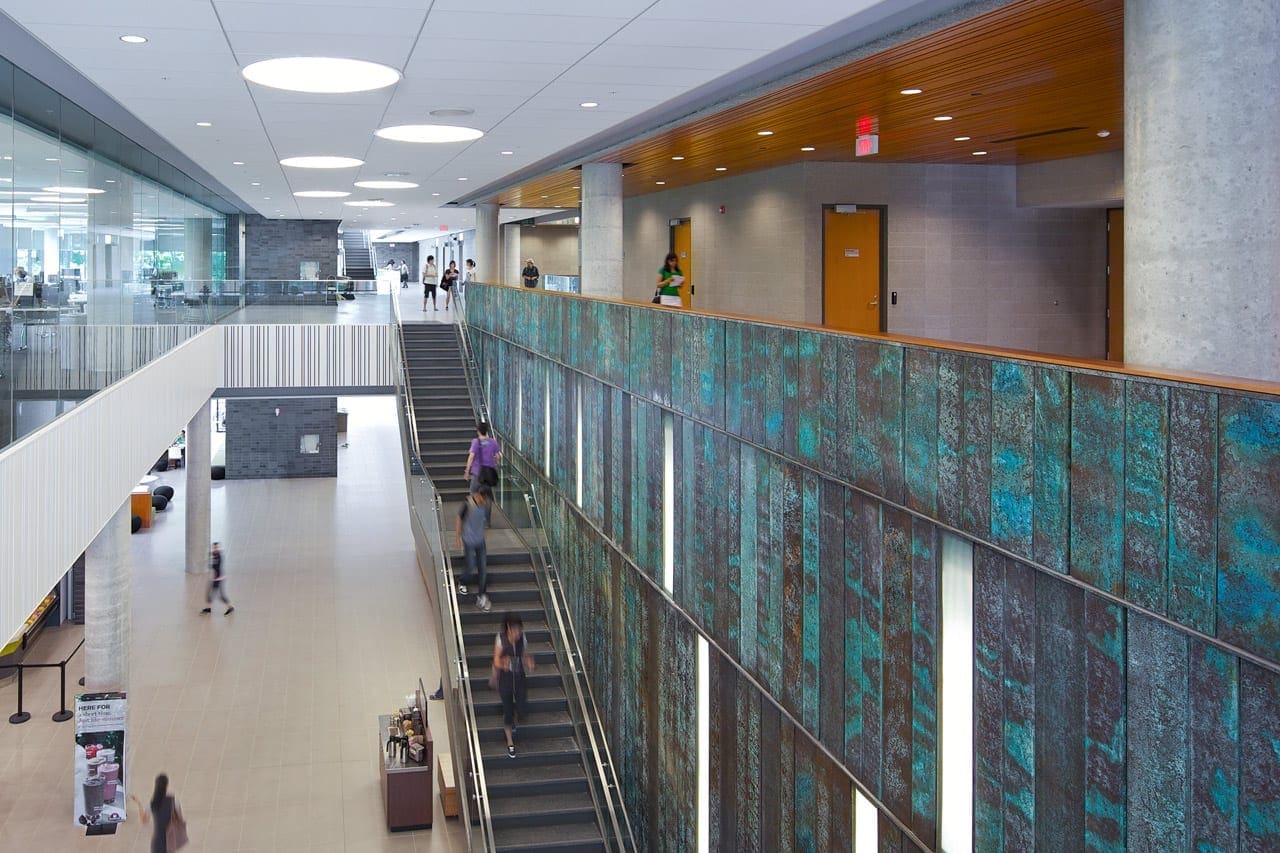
(264, 720)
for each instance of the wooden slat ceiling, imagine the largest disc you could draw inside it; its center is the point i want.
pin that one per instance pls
(1031, 81)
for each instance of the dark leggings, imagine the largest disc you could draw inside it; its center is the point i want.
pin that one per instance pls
(514, 697)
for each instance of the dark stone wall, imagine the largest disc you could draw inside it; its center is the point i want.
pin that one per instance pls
(407, 252)
(276, 248)
(262, 444)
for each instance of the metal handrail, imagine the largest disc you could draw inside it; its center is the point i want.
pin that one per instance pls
(599, 746)
(467, 745)
(481, 790)
(608, 780)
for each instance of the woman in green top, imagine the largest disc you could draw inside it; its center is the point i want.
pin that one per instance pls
(670, 280)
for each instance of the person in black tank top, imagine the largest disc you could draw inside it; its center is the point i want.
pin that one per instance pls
(511, 663)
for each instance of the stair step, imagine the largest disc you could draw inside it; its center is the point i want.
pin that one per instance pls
(543, 809)
(547, 675)
(570, 838)
(514, 781)
(531, 616)
(557, 750)
(547, 719)
(479, 658)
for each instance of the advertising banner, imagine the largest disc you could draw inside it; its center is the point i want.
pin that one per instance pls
(99, 777)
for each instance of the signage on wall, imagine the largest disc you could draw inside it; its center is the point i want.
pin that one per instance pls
(99, 797)
(444, 227)
(866, 145)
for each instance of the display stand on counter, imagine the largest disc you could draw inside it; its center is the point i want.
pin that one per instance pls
(405, 764)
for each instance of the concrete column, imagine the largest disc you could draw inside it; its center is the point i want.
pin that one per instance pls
(488, 252)
(601, 230)
(1201, 179)
(197, 494)
(512, 263)
(107, 605)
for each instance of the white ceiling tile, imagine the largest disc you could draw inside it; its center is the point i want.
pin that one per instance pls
(606, 8)
(287, 19)
(388, 50)
(120, 16)
(527, 72)
(812, 12)
(604, 75)
(496, 50)
(525, 28)
(695, 36)
(708, 58)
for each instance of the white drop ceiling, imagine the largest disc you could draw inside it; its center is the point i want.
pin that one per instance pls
(522, 66)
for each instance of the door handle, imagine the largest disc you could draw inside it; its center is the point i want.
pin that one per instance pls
(874, 303)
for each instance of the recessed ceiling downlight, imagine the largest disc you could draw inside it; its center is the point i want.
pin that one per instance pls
(386, 185)
(368, 204)
(428, 133)
(133, 39)
(75, 190)
(321, 162)
(320, 74)
(321, 194)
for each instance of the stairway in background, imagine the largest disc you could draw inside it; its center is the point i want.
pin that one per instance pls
(355, 246)
(539, 800)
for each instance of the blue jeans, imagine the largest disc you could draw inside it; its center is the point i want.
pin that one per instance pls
(477, 561)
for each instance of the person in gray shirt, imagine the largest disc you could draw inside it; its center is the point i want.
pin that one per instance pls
(471, 526)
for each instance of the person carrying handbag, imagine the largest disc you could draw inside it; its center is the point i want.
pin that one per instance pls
(169, 833)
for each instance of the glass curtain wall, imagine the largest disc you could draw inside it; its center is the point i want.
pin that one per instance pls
(94, 231)
(76, 222)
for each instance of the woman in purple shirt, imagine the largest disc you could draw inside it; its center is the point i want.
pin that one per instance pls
(482, 464)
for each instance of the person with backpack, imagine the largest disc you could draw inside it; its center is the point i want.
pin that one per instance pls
(471, 523)
(512, 661)
(482, 463)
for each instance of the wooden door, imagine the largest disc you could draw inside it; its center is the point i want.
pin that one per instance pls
(852, 269)
(1115, 284)
(682, 245)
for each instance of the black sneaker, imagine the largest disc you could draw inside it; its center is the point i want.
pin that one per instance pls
(511, 752)
(207, 610)
(438, 695)
(229, 611)
(462, 589)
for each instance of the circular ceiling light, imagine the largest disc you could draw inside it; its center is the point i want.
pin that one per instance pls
(808, 148)
(322, 194)
(764, 133)
(661, 183)
(677, 157)
(722, 168)
(911, 91)
(320, 74)
(75, 190)
(942, 118)
(451, 112)
(237, 162)
(979, 153)
(386, 185)
(963, 138)
(133, 39)
(1104, 133)
(588, 105)
(204, 124)
(321, 162)
(506, 153)
(462, 179)
(368, 204)
(428, 133)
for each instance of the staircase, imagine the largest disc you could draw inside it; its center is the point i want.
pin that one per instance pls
(355, 245)
(539, 801)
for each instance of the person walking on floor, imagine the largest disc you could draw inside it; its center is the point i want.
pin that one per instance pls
(670, 280)
(215, 583)
(468, 276)
(449, 281)
(511, 663)
(471, 524)
(530, 274)
(404, 275)
(169, 830)
(429, 278)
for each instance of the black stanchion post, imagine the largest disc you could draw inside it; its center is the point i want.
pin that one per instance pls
(22, 716)
(63, 715)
